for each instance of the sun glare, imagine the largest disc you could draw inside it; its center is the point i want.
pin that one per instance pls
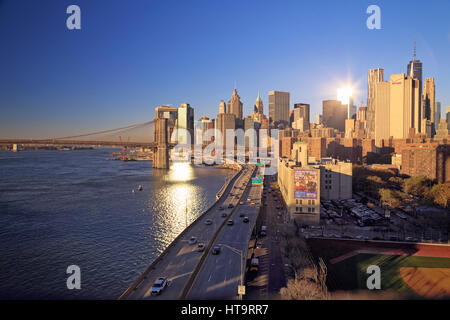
(181, 171)
(344, 94)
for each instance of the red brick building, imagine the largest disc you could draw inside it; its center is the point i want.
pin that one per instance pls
(430, 160)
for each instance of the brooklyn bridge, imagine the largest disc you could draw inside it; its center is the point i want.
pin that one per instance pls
(152, 135)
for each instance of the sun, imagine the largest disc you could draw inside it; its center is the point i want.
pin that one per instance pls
(344, 94)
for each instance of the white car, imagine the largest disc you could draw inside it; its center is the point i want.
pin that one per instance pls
(158, 286)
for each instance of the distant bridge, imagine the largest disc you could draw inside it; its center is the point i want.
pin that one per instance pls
(78, 142)
(151, 134)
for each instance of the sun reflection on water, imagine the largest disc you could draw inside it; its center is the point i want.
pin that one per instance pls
(181, 171)
(172, 200)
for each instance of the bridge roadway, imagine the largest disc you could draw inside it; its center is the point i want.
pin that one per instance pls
(81, 142)
(220, 275)
(181, 259)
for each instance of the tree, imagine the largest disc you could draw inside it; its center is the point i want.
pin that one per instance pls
(417, 186)
(304, 287)
(309, 279)
(440, 194)
(390, 197)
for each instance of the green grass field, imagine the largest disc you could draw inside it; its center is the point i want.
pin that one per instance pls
(350, 274)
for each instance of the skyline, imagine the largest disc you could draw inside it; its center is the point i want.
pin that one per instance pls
(116, 69)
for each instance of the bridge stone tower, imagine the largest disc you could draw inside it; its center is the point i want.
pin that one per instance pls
(161, 155)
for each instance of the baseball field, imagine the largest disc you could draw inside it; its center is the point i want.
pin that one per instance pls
(408, 271)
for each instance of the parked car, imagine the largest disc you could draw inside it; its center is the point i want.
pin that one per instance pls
(200, 247)
(216, 250)
(158, 286)
(193, 240)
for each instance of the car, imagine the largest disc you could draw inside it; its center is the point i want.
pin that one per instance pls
(224, 215)
(259, 245)
(263, 232)
(246, 220)
(221, 208)
(158, 286)
(252, 203)
(230, 206)
(242, 214)
(230, 222)
(216, 250)
(241, 203)
(254, 265)
(200, 247)
(193, 240)
(208, 222)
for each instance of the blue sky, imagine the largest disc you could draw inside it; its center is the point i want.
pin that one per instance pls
(131, 56)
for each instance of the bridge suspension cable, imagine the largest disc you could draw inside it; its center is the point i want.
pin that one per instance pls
(110, 131)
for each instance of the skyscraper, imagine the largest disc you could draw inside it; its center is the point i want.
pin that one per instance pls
(225, 121)
(318, 119)
(186, 122)
(437, 114)
(404, 112)
(381, 103)
(258, 110)
(235, 105)
(334, 114)
(258, 107)
(374, 76)
(447, 115)
(222, 107)
(279, 103)
(300, 117)
(429, 100)
(414, 70)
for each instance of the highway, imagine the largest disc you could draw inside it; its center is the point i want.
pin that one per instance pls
(181, 258)
(220, 275)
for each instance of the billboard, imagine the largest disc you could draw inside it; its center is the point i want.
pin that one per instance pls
(306, 184)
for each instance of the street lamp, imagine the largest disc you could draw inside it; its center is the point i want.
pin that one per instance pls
(239, 252)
